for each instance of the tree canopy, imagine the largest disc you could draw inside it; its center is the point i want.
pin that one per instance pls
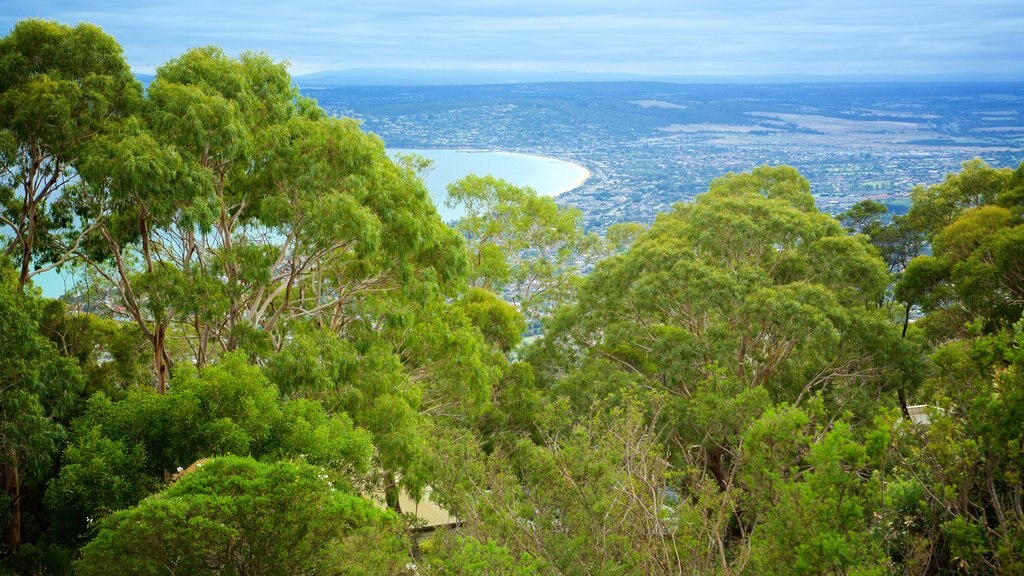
(277, 342)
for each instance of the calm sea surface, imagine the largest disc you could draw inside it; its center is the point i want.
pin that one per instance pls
(548, 176)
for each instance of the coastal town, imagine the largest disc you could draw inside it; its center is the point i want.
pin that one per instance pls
(649, 145)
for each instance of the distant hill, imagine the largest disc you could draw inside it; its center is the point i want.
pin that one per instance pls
(449, 77)
(465, 77)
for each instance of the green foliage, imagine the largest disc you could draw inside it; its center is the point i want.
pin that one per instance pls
(121, 450)
(368, 385)
(748, 287)
(816, 494)
(715, 397)
(98, 476)
(521, 243)
(232, 207)
(238, 516)
(469, 557)
(746, 299)
(60, 89)
(863, 217)
(588, 502)
(977, 184)
(897, 239)
(111, 354)
(515, 410)
(966, 465)
(499, 322)
(38, 389)
(977, 257)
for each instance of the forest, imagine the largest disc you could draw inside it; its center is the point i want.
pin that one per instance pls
(274, 339)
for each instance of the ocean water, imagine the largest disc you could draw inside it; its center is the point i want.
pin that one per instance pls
(548, 176)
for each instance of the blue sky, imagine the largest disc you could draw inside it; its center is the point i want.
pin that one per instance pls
(932, 39)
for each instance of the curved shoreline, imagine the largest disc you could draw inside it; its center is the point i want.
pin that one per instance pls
(585, 173)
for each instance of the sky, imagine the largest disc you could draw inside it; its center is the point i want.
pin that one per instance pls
(934, 39)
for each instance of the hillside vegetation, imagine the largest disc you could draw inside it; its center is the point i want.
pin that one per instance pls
(274, 337)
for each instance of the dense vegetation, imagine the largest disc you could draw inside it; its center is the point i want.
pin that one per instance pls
(273, 327)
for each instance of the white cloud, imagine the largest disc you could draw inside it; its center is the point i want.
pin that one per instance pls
(936, 37)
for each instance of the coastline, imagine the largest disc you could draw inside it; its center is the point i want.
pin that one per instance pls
(584, 172)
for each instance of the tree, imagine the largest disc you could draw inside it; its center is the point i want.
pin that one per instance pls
(393, 378)
(864, 217)
(499, 322)
(121, 451)
(744, 299)
(897, 239)
(747, 287)
(958, 498)
(520, 243)
(977, 184)
(238, 516)
(975, 271)
(461, 556)
(588, 500)
(265, 208)
(37, 387)
(112, 355)
(60, 89)
(816, 493)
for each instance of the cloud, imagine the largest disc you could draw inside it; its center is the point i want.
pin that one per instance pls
(646, 36)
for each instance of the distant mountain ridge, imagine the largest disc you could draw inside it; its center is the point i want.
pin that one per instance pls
(449, 77)
(460, 77)
(457, 77)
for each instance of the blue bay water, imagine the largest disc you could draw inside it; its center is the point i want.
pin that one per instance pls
(548, 176)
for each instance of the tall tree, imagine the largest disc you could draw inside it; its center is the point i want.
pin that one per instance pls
(60, 88)
(37, 387)
(976, 269)
(746, 297)
(521, 243)
(120, 451)
(244, 207)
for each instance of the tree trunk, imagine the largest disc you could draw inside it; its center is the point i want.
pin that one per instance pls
(203, 343)
(391, 492)
(717, 467)
(903, 402)
(12, 538)
(26, 257)
(161, 362)
(27, 238)
(900, 392)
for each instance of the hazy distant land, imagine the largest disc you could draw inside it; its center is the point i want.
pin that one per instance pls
(648, 145)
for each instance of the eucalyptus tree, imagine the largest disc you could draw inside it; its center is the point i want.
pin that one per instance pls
(521, 243)
(748, 296)
(347, 225)
(38, 387)
(960, 495)
(975, 272)
(398, 372)
(242, 207)
(60, 88)
(960, 479)
(897, 239)
(937, 206)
